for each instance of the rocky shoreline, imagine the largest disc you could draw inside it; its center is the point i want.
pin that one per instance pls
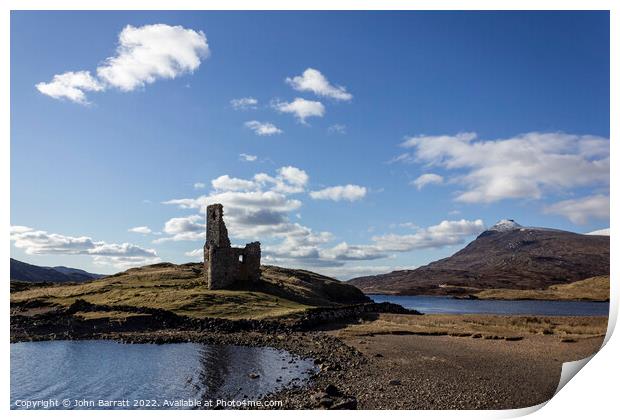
(367, 356)
(295, 334)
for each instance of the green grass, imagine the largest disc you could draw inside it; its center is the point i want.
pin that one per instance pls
(181, 289)
(593, 288)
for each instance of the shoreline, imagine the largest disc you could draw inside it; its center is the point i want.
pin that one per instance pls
(382, 360)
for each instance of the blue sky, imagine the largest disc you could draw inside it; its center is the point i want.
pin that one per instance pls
(413, 132)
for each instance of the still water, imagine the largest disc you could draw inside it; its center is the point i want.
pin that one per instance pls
(106, 370)
(449, 305)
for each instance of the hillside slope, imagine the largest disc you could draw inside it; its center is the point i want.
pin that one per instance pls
(181, 289)
(506, 256)
(21, 271)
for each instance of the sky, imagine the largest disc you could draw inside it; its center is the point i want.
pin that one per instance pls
(348, 143)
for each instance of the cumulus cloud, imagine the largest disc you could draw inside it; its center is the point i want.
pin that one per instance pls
(344, 251)
(70, 85)
(525, 166)
(581, 210)
(448, 232)
(144, 54)
(247, 158)
(263, 128)
(262, 208)
(347, 192)
(145, 230)
(190, 228)
(313, 81)
(39, 242)
(226, 183)
(244, 103)
(152, 52)
(301, 108)
(254, 208)
(427, 179)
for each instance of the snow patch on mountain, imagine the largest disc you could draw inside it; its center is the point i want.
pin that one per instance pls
(602, 232)
(505, 225)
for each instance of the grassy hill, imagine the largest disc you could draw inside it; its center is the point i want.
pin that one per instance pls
(593, 288)
(181, 289)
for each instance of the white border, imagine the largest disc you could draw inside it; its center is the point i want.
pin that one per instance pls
(593, 394)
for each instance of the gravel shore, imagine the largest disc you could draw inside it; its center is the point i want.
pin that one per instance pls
(363, 364)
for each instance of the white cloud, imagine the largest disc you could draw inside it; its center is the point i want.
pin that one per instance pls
(337, 129)
(263, 128)
(247, 158)
(301, 108)
(261, 208)
(344, 251)
(195, 253)
(340, 192)
(313, 80)
(244, 103)
(144, 55)
(226, 183)
(71, 86)
(289, 180)
(39, 242)
(427, 179)
(189, 228)
(445, 233)
(255, 207)
(145, 230)
(199, 185)
(581, 210)
(525, 166)
(152, 52)
(293, 175)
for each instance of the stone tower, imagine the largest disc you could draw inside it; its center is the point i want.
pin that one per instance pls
(223, 264)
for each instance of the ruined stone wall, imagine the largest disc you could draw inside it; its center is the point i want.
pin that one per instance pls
(224, 265)
(217, 234)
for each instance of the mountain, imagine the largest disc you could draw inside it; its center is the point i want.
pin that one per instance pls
(21, 271)
(76, 274)
(506, 256)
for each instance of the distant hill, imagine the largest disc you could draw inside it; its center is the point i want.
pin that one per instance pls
(506, 256)
(21, 271)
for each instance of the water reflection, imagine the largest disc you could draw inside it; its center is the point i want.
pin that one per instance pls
(93, 370)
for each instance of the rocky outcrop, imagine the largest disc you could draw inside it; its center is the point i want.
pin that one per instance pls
(71, 322)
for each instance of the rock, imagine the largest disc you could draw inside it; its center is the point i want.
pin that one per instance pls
(253, 375)
(394, 382)
(326, 402)
(516, 338)
(348, 404)
(378, 355)
(332, 390)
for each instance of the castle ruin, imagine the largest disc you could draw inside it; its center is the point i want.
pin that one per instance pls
(225, 265)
